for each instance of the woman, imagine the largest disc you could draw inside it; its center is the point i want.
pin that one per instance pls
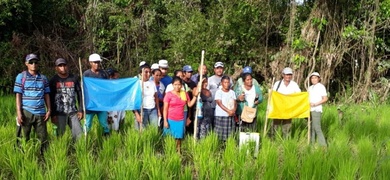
(159, 86)
(250, 95)
(151, 109)
(204, 123)
(225, 109)
(174, 103)
(317, 96)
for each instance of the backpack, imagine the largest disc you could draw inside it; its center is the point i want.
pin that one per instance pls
(24, 77)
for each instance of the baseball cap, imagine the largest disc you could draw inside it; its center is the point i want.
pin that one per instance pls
(187, 68)
(31, 56)
(315, 74)
(94, 57)
(218, 64)
(142, 63)
(60, 61)
(154, 66)
(247, 69)
(287, 70)
(163, 63)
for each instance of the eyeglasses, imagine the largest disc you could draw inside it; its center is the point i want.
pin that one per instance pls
(61, 65)
(96, 62)
(33, 62)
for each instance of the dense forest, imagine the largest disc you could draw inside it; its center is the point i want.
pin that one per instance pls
(347, 41)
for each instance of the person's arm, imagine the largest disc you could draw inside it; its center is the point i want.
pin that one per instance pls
(156, 100)
(137, 116)
(79, 99)
(19, 108)
(48, 106)
(165, 114)
(219, 103)
(195, 94)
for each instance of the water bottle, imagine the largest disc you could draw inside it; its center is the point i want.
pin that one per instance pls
(199, 105)
(55, 130)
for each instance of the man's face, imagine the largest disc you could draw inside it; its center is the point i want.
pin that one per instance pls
(32, 65)
(95, 65)
(62, 69)
(218, 71)
(188, 74)
(164, 71)
(287, 77)
(203, 70)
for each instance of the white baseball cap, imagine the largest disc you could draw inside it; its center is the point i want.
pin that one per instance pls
(163, 63)
(154, 66)
(287, 70)
(315, 74)
(94, 57)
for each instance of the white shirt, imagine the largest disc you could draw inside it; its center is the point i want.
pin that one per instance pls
(316, 92)
(250, 95)
(291, 88)
(227, 98)
(149, 92)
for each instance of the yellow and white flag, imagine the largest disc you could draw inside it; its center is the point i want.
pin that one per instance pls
(289, 106)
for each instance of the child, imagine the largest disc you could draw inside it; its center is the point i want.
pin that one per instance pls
(225, 110)
(115, 118)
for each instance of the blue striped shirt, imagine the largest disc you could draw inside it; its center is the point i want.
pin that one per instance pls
(33, 92)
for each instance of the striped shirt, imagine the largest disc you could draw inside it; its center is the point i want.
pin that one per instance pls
(33, 92)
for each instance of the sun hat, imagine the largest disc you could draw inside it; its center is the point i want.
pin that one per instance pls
(218, 64)
(315, 74)
(247, 69)
(60, 61)
(163, 63)
(187, 68)
(287, 70)
(94, 57)
(31, 56)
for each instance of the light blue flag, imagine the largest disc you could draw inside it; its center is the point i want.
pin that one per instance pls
(112, 94)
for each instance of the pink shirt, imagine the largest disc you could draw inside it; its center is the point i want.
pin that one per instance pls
(175, 106)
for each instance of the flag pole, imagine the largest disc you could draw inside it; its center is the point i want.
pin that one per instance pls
(308, 119)
(199, 92)
(142, 102)
(83, 98)
(267, 111)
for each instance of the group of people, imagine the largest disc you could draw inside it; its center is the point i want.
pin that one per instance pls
(167, 101)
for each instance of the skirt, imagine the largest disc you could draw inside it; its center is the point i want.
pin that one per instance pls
(224, 126)
(176, 129)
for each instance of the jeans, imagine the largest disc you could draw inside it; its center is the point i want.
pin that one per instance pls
(316, 128)
(102, 116)
(150, 117)
(74, 123)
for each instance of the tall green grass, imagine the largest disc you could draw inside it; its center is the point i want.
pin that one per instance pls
(358, 148)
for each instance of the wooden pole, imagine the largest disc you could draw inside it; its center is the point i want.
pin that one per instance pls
(199, 92)
(142, 102)
(83, 98)
(267, 111)
(308, 119)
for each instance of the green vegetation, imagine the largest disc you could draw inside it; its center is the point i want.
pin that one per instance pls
(359, 148)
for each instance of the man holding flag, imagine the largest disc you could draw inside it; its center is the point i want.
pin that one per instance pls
(285, 86)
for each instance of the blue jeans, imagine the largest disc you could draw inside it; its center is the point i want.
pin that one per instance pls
(102, 116)
(150, 117)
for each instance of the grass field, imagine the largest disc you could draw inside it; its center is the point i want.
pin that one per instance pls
(359, 148)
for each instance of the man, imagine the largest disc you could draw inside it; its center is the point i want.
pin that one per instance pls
(284, 86)
(187, 73)
(65, 92)
(32, 94)
(202, 70)
(239, 82)
(96, 72)
(165, 79)
(214, 82)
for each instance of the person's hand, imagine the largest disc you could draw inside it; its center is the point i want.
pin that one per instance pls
(313, 104)
(138, 118)
(231, 113)
(242, 97)
(47, 115)
(166, 125)
(79, 115)
(20, 119)
(195, 92)
(188, 122)
(54, 119)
